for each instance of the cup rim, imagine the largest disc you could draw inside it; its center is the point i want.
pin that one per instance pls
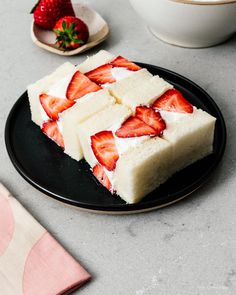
(196, 2)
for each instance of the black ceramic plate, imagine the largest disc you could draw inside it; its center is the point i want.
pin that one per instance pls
(43, 164)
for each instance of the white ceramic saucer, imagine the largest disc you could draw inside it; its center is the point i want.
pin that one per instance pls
(98, 32)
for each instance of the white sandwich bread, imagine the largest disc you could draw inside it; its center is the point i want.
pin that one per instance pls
(122, 87)
(70, 119)
(95, 61)
(189, 130)
(191, 138)
(142, 163)
(144, 168)
(140, 89)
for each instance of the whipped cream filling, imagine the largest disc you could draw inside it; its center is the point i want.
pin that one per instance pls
(119, 74)
(60, 87)
(171, 117)
(59, 125)
(124, 144)
(43, 114)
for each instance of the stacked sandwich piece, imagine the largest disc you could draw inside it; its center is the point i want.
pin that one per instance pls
(134, 129)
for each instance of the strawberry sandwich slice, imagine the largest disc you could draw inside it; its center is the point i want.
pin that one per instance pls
(43, 85)
(125, 151)
(69, 103)
(69, 100)
(189, 130)
(62, 73)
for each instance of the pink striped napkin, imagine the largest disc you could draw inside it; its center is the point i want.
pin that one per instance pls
(32, 262)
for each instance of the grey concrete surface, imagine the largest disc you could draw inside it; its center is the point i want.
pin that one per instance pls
(186, 249)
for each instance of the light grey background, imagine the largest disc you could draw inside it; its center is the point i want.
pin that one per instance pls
(185, 249)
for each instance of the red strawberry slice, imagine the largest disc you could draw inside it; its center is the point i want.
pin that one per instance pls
(101, 75)
(134, 127)
(101, 176)
(53, 106)
(79, 86)
(122, 62)
(51, 129)
(151, 118)
(173, 101)
(104, 149)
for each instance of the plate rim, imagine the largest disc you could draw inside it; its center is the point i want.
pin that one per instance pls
(124, 208)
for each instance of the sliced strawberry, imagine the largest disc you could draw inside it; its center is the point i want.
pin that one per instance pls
(53, 106)
(134, 127)
(79, 86)
(101, 176)
(51, 129)
(104, 149)
(122, 62)
(101, 75)
(173, 101)
(152, 118)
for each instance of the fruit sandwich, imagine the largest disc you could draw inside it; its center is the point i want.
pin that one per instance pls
(134, 129)
(189, 130)
(71, 94)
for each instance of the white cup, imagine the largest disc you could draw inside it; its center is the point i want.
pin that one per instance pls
(189, 23)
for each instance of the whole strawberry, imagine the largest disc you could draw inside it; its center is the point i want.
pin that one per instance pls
(71, 32)
(48, 12)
